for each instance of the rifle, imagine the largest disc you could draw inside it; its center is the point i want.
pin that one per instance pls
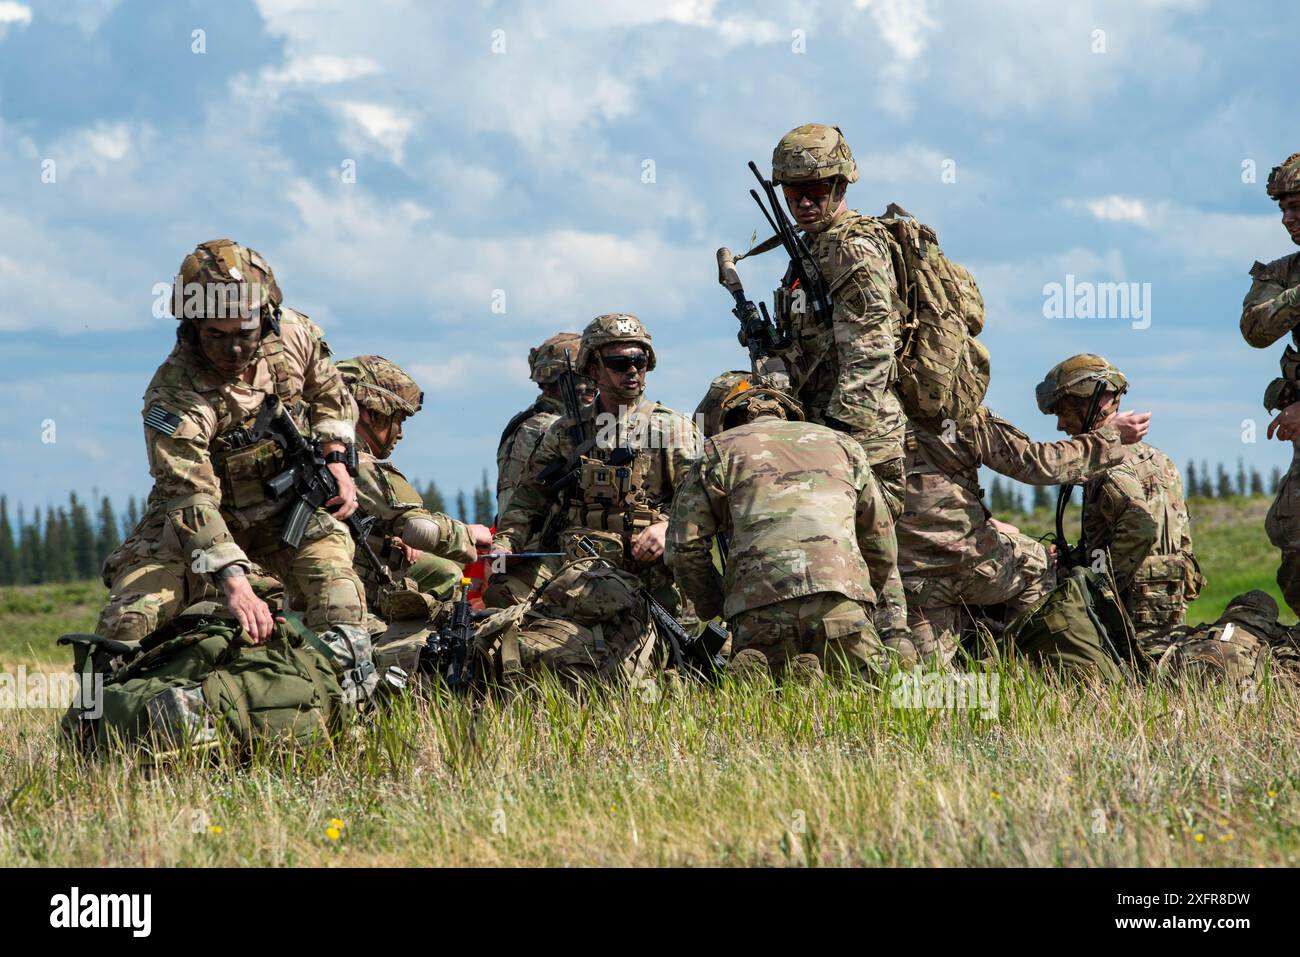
(803, 273)
(446, 651)
(311, 483)
(758, 332)
(1070, 557)
(700, 652)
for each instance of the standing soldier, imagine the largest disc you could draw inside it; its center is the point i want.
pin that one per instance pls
(612, 489)
(1135, 511)
(208, 516)
(809, 543)
(951, 551)
(386, 396)
(518, 442)
(1271, 310)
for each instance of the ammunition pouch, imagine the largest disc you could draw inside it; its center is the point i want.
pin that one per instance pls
(244, 469)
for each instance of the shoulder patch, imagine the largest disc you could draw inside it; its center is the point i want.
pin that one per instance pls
(161, 420)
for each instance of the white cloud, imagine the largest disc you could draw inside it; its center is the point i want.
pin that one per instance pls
(11, 13)
(1122, 209)
(903, 24)
(321, 70)
(382, 124)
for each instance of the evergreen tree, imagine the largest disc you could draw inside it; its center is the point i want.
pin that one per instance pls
(132, 516)
(1207, 488)
(1241, 477)
(108, 537)
(485, 507)
(26, 555)
(1041, 497)
(997, 497)
(8, 547)
(1225, 483)
(1275, 480)
(462, 512)
(82, 541)
(433, 499)
(1256, 482)
(1193, 483)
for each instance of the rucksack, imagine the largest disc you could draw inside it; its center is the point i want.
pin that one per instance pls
(1079, 627)
(943, 370)
(196, 681)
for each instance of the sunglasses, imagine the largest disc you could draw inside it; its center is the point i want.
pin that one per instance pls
(815, 192)
(623, 363)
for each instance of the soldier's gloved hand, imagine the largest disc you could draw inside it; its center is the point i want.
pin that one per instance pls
(649, 543)
(346, 500)
(481, 534)
(253, 614)
(1133, 426)
(1287, 423)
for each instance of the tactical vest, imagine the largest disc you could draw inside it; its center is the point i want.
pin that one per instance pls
(242, 462)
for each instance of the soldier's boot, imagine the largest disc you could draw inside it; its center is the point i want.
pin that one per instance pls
(353, 654)
(805, 668)
(749, 664)
(901, 652)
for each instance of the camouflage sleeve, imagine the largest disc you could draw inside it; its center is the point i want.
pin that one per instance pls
(692, 524)
(529, 502)
(178, 427)
(865, 325)
(1133, 529)
(1270, 309)
(685, 445)
(874, 528)
(1004, 448)
(398, 508)
(332, 410)
(512, 463)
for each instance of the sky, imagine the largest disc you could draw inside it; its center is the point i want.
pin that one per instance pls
(449, 184)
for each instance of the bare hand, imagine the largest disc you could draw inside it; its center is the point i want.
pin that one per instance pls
(1287, 423)
(412, 555)
(346, 500)
(481, 534)
(254, 615)
(1004, 527)
(1133, 426)
(649, 543)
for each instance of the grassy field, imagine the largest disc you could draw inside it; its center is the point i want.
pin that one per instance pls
(670, 773)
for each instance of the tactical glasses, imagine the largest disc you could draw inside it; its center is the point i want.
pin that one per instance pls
(815, 191)
(624, 363)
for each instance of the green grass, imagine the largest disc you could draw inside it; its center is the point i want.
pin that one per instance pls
(677, 773)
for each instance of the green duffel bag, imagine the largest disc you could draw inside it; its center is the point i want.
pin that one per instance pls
(197, 680)
(1079, 628)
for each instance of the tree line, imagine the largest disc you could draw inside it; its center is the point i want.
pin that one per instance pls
(1005, 495)
(68, 543)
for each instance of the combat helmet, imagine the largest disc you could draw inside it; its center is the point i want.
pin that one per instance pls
(381, 386)
(1285, 179)
(1077, 376)
(546, 362)
(608, 329)
(741, 391)
(229, 277)
(811, 152)
(709, 412)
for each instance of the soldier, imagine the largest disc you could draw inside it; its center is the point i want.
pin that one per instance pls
(620, 486)
(1237, 647)
(208, 516)
(386, 396)
(951, 551)
(1271, 310)
(518, 442)
(1135, 511)
(809, 543)
(843, 376)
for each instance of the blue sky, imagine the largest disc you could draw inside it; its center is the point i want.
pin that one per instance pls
(501, 146)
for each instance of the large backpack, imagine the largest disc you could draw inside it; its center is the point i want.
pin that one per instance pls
(1079, 627)
(195, 681)
(943, 370)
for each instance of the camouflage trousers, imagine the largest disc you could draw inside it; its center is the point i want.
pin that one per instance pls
(1283, 528)
(814, 632)
(1015, 573)
(149, 588)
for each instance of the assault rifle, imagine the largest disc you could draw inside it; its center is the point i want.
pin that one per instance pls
(447, 651)
(758, 333)
(804, 273)
(310, 482)
(700, 652)
(1066, 555)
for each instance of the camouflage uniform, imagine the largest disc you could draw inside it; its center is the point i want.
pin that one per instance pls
(520, 439)
(950, 554)
(1272, 310)
(208, 508)
(608, 504)
(1237, 647)
(810, 543)
(1135, 512)
(843, 375)
(384, 492)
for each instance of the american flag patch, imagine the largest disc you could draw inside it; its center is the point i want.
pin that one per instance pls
(159, 418)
